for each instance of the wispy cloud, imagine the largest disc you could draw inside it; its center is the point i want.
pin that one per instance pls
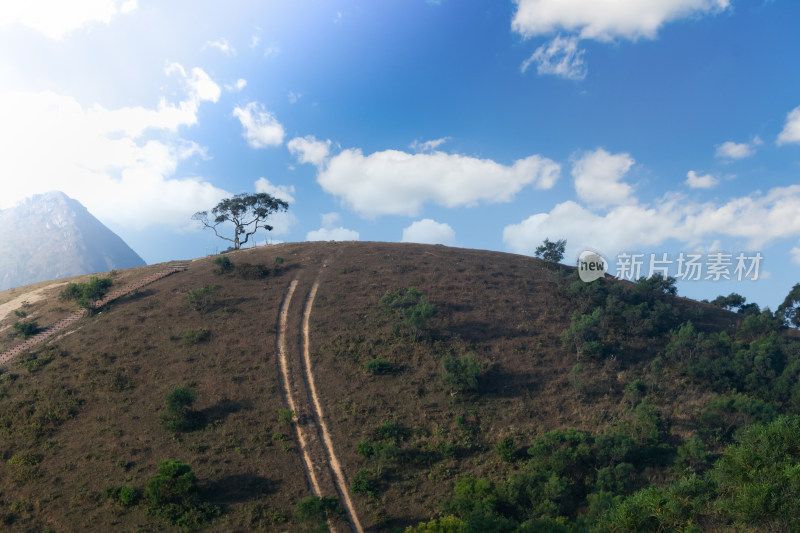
(559, 57)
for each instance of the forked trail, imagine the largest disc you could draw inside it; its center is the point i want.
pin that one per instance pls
(316, 447)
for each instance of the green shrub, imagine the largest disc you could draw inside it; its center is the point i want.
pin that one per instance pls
(224, 265)
(364, 483)
(179, 416)
(202, 299)
(172, 495)
(195, 336)
(378, 366)
(85, 294)
(506, 449)
(19, 313)
(250, 271)
(411, 306)
(319, 509)
(125, 496)
(462, 374)
(285, 416)
(392, 431)
(26, 329)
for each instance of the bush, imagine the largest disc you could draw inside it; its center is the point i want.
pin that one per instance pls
(224, 265)
(172, 494)
(462, 374)
(249, 271)
(378, 366)
(364, 483)
(125, 496)
(195, 336)
(26, 329)
(507, 449)
(285, 416)
(319, 509)
(202, 299)
(85, 294)
(179, 416)
(411, 306)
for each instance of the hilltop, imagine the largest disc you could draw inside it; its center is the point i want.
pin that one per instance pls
(448, 379)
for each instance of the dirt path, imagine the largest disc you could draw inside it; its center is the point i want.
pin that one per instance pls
(336, 467)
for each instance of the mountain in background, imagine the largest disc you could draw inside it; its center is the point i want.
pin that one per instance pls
(51, 236)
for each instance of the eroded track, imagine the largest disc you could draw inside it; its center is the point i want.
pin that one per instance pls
(324, 471)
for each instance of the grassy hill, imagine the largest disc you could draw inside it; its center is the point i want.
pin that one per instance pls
(449, 380)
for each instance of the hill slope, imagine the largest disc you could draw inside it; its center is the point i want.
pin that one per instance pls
(415, 397)
(51, 236)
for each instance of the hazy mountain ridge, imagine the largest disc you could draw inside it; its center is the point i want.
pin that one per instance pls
(50, 236)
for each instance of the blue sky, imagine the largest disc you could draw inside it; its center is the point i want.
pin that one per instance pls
(665, 126)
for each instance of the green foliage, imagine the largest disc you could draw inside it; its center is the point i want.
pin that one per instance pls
(506, 449)
(692, 455)
(378, 366)
(551, 251)
(194, 336)
(285, 416)
(364, 483)
(251, 272)
(23, 466)
(26, 329)
(789, 310)
(583, 334)
(202, 299)
(731, 301)
(172, 494)
(33, 361)
(179, 416)
(462, 374)
(19, 313)
(85, 294)
(247, 213)
(724, 415)
(125, 495)
(319, 509)
(635, 392)
(655, 286)
(224, 265)
(411, 306)
(392, 431)
(445, 524)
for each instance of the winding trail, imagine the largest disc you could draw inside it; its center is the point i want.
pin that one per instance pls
(322, 468)
(336, 467)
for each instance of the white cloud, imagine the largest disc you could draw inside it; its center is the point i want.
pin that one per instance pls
(332, 234)
(222, 45)
(795, 252)
(254, 40)
(271, 51)
(758, 219)
(559, 57)
(597, 178)
(427, 231)
(427, 146)
(605, 20)
(201, 86)
(261, 128)
(104, 157)
(732, 150)
(240, 84)
(399, 183)
(330, 219)
(56, 18)
(700, 182)
(309, 150)
(791, 130)
(281, 192)
(294, 97)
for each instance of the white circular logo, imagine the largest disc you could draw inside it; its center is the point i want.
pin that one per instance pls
(591, 266)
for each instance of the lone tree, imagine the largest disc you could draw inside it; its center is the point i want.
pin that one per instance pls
(552, 251)
(247, 212)
(789, 310)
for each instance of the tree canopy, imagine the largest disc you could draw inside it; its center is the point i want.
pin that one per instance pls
(247, 212)
(552, 251)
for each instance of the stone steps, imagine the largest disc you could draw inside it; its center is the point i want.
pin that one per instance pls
(5, 357)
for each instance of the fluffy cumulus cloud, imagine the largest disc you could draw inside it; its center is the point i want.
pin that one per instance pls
(791, 129)
(284, 221)
(107, 158)
(606, 20)
(394, 182)
(732, 150)
(56, 18)
(756, 219)
(222, 45)
(328, 231)
(598, 178)
(560, 57)
(309, 150)
(427, 231)
(261, 128)
(695, 181)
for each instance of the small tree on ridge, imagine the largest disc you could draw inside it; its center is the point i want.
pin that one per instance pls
(247, 212)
